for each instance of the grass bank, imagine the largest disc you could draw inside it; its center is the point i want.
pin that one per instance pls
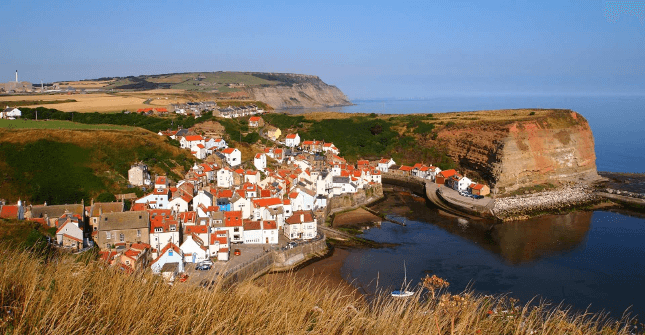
(65, 295)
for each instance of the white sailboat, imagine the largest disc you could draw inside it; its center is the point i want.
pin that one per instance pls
(403, 293)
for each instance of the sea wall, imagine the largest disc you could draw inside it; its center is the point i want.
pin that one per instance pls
(525, 206)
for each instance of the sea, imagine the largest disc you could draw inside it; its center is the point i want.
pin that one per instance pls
(592, 260)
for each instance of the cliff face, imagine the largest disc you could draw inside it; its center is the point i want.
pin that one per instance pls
(299, 91)
(555, 149)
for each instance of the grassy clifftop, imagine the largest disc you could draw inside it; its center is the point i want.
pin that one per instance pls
(65, 166)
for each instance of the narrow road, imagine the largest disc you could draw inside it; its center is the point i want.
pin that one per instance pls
(431, 193)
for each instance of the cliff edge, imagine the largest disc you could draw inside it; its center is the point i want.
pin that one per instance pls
(297, 91)
(555, 148)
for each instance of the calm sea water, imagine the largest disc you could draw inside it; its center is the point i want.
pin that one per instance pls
(617, 122)
(584, 259)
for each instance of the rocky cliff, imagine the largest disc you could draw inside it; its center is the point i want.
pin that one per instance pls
(297, 91)
(555, 148)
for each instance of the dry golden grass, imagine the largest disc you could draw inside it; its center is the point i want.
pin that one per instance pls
(63, 296)
(95, 102)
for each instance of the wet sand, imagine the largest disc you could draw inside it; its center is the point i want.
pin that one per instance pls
(324, 272)
(358, 217)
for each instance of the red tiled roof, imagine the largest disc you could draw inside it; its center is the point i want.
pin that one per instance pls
(293, 195)
(9, 212)
(286, 202)
(233, 219)
(228, 150)
(161, 180)
(196, 230)
(447, 173)
(225, 193)
(188, 216)
(405, 168)
(191, 138)
(384, 161)
(252, 225)
(267, 202)
(295, 218)
(270, 225)
(201, 146)
(265, 193)
(291, 136)
(138, 207)
(254, 118)
(477, 187)
(258, 156)
(161, 110)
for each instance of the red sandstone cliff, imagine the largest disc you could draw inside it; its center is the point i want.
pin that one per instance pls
(556, 148)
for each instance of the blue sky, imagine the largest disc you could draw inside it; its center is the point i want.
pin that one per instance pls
(369, 49)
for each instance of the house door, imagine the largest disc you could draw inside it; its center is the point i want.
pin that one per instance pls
(266, 240)
(194, 257)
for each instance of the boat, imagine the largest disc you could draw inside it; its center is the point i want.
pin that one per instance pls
(403, 293)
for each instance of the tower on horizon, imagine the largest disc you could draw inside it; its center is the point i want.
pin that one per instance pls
(16, 75)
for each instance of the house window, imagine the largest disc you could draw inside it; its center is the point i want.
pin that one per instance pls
(173, 228)
(96, 228)
(158, 230)
(138, 233)
(127, 262)
(170, 252)
(121, 237)
(236, 229)
(107, 235)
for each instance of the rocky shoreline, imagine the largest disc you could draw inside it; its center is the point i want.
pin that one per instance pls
(523, 207)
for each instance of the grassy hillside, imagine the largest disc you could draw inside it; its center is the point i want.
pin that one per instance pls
(65, 166)
(72, 296)
(53, 124)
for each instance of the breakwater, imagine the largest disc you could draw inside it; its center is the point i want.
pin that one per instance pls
(521, 207)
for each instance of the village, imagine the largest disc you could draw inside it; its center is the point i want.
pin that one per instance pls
(221, 212)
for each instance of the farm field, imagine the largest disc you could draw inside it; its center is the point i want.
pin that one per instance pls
(99, 102)
(56, 124)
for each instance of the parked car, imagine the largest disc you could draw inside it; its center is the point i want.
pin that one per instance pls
(291, 245)
(183, 278)
(203, 267)
(237, 252)
(206, 262)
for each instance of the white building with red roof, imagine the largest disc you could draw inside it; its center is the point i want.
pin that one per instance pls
(169, 263)
(194, 248)
(330, 147)
(187, 142)
(234, 225)
(233, 156)
(164, 229)
(292, 140)
(199, 151)
(70, 235)
(301, 225)
(385, 164)
(255, 122)
(219, 245)
(260, 161)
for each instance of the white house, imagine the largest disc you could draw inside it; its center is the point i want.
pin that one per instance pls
(301, 225)
(225, 178)
(180, 204)
(138, 175)
(156, 200)
(164, 229)
(252, 232)
(202, 198)
(270, 232)
(292, 140)
(252, 177)
(194, 249)
(260, 161)
(233, 156)
(385, 164)
(302, 199)
(234, 225)
(187, 142)
(219, 245)
(330, 147)
(170, 255)
(199, 151)
(242, 204)
(463, 184)
(10, 113)
(70, 235)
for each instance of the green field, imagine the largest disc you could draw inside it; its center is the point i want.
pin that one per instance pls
(56, 124)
